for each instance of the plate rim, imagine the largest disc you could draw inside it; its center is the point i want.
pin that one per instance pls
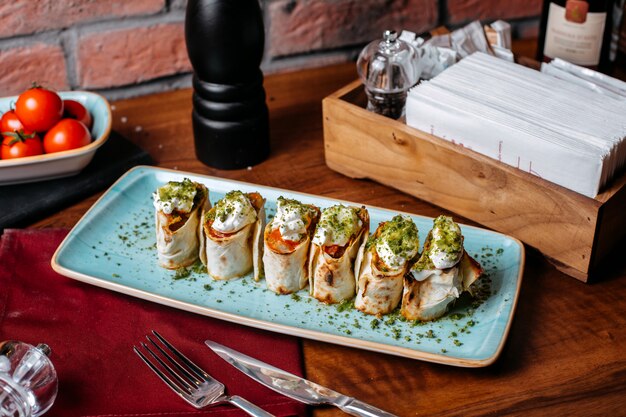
(281, 328)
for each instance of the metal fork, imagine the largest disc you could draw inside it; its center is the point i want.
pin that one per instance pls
(188, 380)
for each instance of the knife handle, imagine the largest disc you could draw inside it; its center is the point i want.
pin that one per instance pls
(248, 407)
(360, 409)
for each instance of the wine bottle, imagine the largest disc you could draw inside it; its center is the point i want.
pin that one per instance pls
(577, 31)
(619, 62)
(618, 13)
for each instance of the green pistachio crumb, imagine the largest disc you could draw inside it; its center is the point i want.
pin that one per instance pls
(345, 305)
(182, 273)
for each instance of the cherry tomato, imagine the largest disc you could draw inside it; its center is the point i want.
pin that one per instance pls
(20, 144)
(74, 110)
(39, 109)
(10, 122)
(65, 135)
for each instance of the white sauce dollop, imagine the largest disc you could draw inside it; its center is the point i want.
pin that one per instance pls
(386, 254)
(177, 203)
(337, 224)
(442, 257)
(289, 220)
(233, 213)
(388, 257)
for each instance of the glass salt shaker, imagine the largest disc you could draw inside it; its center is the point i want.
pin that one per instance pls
(387, 70)
(28, 381)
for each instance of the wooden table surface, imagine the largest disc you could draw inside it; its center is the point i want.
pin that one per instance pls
(566, 351)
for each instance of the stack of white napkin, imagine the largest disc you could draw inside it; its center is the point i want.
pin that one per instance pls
(552, 128)
(590, 79)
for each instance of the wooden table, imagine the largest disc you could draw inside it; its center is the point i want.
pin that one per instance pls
(566, 352)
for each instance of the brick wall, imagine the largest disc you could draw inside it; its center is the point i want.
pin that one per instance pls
(131, 47)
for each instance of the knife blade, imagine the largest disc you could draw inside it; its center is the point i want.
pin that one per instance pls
(293, 386)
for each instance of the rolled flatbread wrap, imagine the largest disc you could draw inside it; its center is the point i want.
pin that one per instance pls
(442, 273)
(287, 240)
(337, 239)
(385, 260)
(178, 209)
(231, 236)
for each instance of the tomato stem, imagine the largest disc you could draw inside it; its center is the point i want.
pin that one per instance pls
(18, 136)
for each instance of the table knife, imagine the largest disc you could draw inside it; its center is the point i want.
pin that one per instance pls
(292, 385)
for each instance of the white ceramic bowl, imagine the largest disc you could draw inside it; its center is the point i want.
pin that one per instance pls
(59, 164)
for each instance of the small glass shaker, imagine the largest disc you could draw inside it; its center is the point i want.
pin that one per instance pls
(387, 70)
(28, 381)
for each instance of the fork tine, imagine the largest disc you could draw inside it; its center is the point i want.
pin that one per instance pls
(207, 393)
(182, 382)
(178, 390)
(191, 377)
(192, 366)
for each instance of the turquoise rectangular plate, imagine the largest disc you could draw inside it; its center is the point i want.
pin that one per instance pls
(113, 246)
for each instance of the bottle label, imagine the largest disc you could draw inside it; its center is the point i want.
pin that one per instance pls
(574, 34)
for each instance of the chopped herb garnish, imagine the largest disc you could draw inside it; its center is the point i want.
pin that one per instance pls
(182, 273)
(198, 268)
(345, 305)
(396, 333)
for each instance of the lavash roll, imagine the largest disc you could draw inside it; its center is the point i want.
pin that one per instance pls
(233, 255)
(331, 276)
(380, 275)
(178, 233)
(429, 291)
(286, 261)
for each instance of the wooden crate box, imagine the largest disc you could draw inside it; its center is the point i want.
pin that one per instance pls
(575, 232)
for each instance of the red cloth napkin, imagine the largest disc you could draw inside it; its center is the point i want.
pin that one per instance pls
(91, 332)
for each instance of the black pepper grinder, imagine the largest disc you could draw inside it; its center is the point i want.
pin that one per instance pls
(225, 41)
